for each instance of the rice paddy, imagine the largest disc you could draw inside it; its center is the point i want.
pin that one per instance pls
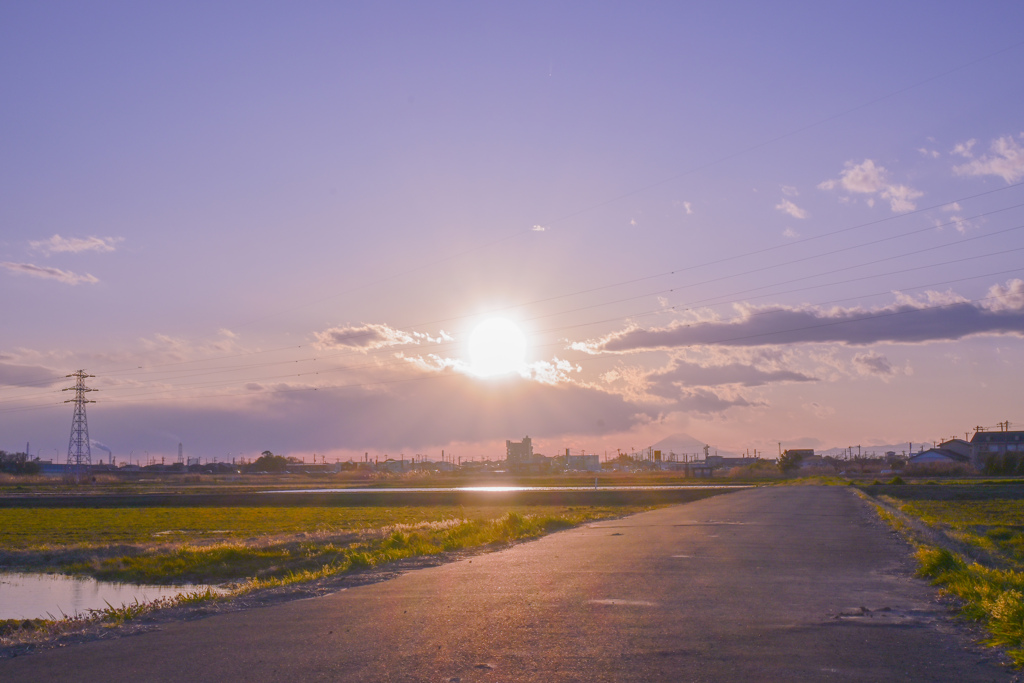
(216, 545)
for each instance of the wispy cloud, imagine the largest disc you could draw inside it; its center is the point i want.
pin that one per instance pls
(790, 233)
(539, 228)
(65, 276)
(15, 375)
(871, 179)
(75, 244)
(962, 224)
(873, 364)
(1006, 160)
(683, 373)
(964, 149)
(792, 209)
(934, 317)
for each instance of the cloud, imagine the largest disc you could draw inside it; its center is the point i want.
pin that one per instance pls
(937, 317)
(707, 402)
(819, 410)
(925, 152)
(790, 191)
(418, 409)
(363, 337)
(868, 178)
(539, 228)
(13, 375)
(961, 224)
(873, 364)
(792, 209)
(963, 149)
(790, 233)
(75, 244)
(553, 371)
(1006, 298)
(1006, 160)
(688, 207)
(687, 374)
(65, 276)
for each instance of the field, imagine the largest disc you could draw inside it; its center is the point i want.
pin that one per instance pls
(218, 544)
(982, 562)
(292, 542)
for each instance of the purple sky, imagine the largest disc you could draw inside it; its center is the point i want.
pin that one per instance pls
(270, 227)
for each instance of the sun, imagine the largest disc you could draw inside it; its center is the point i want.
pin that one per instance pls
(496, 347)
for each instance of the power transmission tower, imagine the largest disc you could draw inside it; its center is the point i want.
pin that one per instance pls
(79, 451)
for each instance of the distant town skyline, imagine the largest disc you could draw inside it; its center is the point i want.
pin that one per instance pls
(277, 227)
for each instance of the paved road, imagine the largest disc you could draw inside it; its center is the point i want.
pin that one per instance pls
(757, 585)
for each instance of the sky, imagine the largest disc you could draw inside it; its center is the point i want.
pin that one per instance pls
(264, 226)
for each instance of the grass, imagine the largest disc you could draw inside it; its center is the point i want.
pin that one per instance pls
(216, 545)
(993, 597)
(261, 563)
(988, 577)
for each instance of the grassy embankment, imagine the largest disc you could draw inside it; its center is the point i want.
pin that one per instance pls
(983, 565)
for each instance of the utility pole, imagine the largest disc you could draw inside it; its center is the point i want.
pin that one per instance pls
(79, 450)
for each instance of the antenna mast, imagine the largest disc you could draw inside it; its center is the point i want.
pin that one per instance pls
(79, 451)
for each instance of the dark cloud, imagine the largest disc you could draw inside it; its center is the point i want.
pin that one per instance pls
(692, 374)
(903, 322)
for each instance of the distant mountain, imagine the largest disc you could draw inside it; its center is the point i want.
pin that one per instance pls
(684, 443)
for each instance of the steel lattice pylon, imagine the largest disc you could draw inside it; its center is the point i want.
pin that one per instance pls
(79, 451)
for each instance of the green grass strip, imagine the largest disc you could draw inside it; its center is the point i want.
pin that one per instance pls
(991, 596)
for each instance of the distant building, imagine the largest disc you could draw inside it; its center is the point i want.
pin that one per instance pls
(519, 452)
(583, 463)
(720, 461)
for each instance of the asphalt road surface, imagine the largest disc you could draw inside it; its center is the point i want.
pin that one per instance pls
(773, 584)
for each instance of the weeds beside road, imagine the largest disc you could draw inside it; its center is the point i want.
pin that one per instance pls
(972, 547)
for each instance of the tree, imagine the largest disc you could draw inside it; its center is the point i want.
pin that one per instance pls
(18, 463)
(790, 462)
(268, 462)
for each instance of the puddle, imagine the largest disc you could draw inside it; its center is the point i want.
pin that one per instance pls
(510, 489)
(41, 596)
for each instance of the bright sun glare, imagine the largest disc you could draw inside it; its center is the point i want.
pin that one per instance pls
(496, 347)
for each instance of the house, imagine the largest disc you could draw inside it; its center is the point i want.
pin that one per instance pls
(939, 454)
(957, 446)
(986, 445)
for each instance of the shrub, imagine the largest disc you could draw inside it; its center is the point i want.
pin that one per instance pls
(939, 469)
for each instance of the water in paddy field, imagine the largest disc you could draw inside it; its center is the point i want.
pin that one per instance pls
(41, 596)
(512, 489)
